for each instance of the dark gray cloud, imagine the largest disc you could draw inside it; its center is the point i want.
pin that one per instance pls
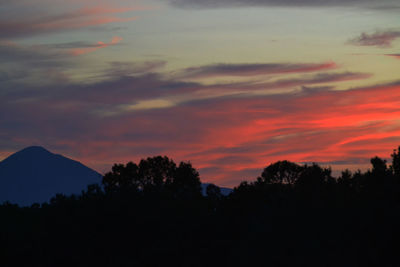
(70, 45)
(252, 69)
(127, 89)
(38, 56)
(126, 84)
(119, 69)
(383, 39)
(43, 62)
(147, 86)
(30, 25)
(33, 64)
(348, 161)
(105, 94)
(304, 82)
(61, 116)
(383, 4)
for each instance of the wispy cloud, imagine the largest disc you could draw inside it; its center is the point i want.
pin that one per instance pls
(131, 87)
(323, 126)
(383, 5)
(252, 69)
(155, 91)
(11, 52)
(41, 21)
(228, 130)
(44, 63)
(259, 126)
(32, 63)
(85, 50)
(383, 39)
(121, 69)
(394, 55)
(328, 126)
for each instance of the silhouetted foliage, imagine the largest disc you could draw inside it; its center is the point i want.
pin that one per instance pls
(395, 167)
(154, 214)
(156, 175)
(213, 192)
(281, 172)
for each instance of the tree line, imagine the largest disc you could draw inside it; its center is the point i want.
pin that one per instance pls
(153, 213)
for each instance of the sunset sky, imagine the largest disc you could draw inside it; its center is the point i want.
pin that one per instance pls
(229, 85)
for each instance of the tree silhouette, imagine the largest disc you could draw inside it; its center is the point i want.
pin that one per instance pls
(213, 192)
(345, 178)
(153, 176)
(122, 177)
(379, 167)
(396, 162)
(155, 172)
(315, 176)
(185, 182)
(153, 214)
(281, 172)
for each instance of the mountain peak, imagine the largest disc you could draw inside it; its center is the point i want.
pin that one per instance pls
(29, 154)
(34, 150)
(35, 174)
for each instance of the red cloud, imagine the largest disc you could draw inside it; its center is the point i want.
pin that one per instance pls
(232, 138)
(82, 51)
(227, 138)
(394, 55)
(80, 18)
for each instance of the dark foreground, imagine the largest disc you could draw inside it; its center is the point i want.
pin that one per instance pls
(153, 214)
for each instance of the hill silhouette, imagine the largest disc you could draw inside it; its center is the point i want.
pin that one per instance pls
(35, 175)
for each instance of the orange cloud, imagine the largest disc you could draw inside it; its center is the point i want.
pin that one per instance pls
(394, 55)
(101, 10)
(79, 23)
(227, 137)
(79, 18)
(234, 138)
(82, 51)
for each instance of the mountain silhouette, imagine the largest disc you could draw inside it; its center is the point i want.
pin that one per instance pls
(34, 175)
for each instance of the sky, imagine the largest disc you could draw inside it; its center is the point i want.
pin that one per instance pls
(229, 85)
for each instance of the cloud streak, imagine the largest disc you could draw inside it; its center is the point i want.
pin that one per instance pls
(227, 137)
(282, 3)
(228, 130)
(382, 39)
(32, 24)
(245, 70)
(397, 56)
(85, 50)
(32, 65)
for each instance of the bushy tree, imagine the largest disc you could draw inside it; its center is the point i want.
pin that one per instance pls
(379, 167)
(122, 177)
(185, 182)
(314, 175)
(281, 172)
(154, 175)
